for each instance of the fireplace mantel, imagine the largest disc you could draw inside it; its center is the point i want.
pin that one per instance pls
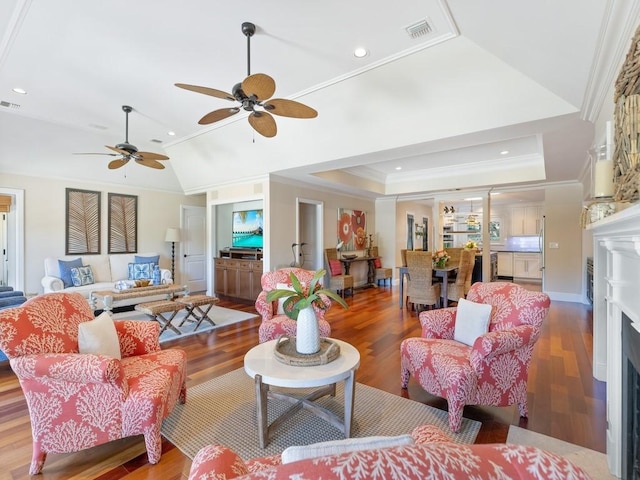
(616, 263)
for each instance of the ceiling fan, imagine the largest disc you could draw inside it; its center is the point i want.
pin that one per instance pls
(254, 95)
(127, 151)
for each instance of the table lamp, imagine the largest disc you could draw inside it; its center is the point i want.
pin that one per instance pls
(173, 236)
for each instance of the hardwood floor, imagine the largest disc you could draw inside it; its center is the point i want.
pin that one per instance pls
(564, 400)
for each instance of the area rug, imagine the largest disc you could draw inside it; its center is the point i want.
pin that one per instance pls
(592, 462)
(221, 317)
(223, 411)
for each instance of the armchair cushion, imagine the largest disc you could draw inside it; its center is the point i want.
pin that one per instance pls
(472, 320)
(336, 447)
(99, 337)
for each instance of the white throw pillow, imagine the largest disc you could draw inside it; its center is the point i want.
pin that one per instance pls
(336, 447)
(99, 337)
(472, 320)
(282, 286)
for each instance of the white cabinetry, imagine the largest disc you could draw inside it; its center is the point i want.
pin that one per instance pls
(505, 264)
(527, 265)
(526, 220)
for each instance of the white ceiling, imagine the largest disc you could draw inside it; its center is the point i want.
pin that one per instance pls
(504, 75)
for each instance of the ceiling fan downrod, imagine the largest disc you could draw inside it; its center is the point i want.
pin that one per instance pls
(248, 29)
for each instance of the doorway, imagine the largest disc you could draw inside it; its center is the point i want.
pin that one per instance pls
(13, 241)
(309, 234)
(193, 248)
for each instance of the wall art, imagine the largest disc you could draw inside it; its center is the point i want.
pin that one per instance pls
(352, 229)
(123, 223)
(82, 222)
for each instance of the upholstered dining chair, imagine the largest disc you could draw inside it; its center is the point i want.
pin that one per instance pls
(89, 381)
(421, 290)
(460, 286)
(382, 273)
(274, 321)
(477, 353)
(338, 281)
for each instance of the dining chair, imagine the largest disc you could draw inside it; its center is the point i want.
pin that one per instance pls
(382, 273)
(459, 286)
(337, 279)
(420, 289)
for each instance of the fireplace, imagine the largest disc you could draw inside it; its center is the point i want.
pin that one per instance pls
(616, 340)
(630, 400)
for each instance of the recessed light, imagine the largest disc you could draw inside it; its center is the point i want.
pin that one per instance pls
(398, 168)
(504, 152)
(360, 52)
(19, 90)
(171, 134)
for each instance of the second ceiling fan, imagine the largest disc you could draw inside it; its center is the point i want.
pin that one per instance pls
(254, 95)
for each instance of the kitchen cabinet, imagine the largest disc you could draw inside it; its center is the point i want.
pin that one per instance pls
(526, 220)
(238, 278)
(505, 264)
(527, 265)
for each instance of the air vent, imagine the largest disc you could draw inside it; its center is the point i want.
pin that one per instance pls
(98, 127)
(155, 140)
(15, 106)
(419, 29)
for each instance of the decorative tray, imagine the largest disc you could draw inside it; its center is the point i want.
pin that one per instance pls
(349, 257)
(286, 353)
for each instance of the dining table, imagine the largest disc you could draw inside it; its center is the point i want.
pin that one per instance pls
(442, 272)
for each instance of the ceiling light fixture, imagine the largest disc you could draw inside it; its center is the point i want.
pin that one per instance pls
(504, 152)
(360, 52)
(398, 168)
(472, 221)
(20, 91)
(171, 134)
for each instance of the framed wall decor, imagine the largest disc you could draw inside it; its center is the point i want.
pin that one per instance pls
(352, 229)
(123, 223)
(82, 221)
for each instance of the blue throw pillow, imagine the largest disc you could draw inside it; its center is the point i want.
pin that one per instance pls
(155, 259)
(65, 267)
(82, 276)
(141, 271)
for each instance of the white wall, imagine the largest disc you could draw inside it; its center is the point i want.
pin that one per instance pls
(44, 216)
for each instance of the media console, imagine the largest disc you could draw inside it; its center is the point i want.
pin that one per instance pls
(238, 272)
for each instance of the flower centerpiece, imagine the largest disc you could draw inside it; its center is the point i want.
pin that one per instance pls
(299, 305)
(471, 245)
(440, 258)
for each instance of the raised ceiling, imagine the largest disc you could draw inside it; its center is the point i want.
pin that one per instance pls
(523, 78)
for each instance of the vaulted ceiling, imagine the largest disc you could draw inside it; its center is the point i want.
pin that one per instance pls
(527, 78)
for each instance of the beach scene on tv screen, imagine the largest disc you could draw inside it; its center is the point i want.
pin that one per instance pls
(247, 229)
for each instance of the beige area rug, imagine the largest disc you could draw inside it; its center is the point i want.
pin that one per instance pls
(223, 411)
(220, 316)
(592, 462)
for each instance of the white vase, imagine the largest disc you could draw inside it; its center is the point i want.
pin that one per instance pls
(307, 332)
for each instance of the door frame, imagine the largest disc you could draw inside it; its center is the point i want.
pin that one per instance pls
(317, 256)
(16, 232)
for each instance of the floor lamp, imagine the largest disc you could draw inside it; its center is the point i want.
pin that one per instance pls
(173, 236)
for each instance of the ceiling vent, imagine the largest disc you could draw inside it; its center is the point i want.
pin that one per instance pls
(15, 106)
(419, 29)
(155, 140)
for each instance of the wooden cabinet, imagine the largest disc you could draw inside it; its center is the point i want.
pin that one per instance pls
(505, 264)
(238, 278)
(527, 265)
(526, 220)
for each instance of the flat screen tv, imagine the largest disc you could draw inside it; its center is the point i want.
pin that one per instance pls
(247, 229)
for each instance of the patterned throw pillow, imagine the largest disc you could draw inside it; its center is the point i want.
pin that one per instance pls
(141, 271)
(82, 276)
(336, 267)
(377, 263)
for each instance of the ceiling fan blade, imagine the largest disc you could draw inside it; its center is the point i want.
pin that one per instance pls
(113, 164)
(118, 150)
(150, 163)
(263, 123)
(218, 115)
(206, 91)
(260, 85)
(151, 156)
(289, 108)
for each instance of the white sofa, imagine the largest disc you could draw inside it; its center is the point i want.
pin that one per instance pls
(107, 270)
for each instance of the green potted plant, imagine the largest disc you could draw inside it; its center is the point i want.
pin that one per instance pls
(299, 303)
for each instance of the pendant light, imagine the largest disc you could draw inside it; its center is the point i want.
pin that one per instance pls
(472, 221)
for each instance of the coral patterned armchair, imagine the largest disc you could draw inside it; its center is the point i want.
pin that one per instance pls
(274, 322)
(79, 400)
(493, 369)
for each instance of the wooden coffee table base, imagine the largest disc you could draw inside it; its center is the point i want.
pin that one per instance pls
(263, 393)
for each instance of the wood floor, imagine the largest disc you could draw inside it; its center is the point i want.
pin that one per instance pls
(565, 401)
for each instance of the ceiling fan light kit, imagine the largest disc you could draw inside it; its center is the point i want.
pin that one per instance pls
(254, 96)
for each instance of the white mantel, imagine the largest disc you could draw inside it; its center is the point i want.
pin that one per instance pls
(616, 264)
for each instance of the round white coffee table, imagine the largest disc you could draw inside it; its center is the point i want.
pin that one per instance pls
(261, 364)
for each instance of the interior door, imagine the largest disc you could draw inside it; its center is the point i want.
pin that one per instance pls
(193, 248)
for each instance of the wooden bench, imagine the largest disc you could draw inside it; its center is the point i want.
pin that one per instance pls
(157, 310)
(197, 307)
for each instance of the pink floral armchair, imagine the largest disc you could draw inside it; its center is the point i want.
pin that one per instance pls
(273, 324)
(494, 371)
(77, 401)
